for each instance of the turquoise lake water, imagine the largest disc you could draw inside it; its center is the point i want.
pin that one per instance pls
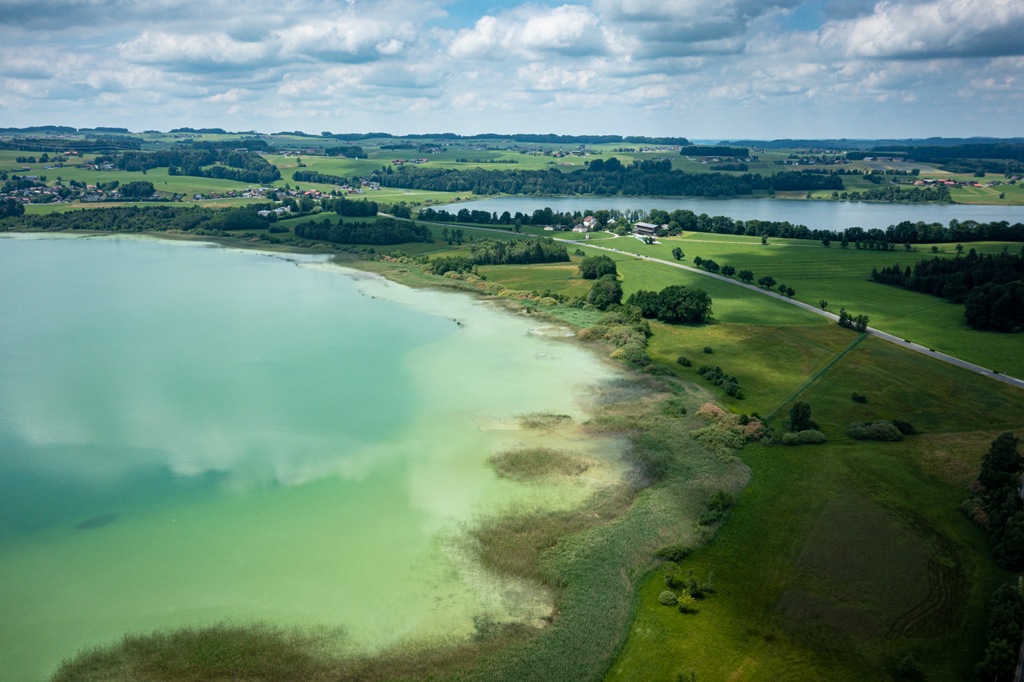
(817, 215)
(191, 435)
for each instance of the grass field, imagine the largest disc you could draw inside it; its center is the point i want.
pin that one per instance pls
(841, 277)
(841, 559)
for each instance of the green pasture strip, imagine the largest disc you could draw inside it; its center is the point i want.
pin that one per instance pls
(769, 362)
(933, 396)
(559, 278)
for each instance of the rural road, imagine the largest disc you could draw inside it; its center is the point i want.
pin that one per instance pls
(949, 359)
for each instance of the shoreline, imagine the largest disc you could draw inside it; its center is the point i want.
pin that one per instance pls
(361, 275)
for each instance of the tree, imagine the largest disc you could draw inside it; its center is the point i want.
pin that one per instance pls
(677, 253)
(1002, 464)
(746, 275)
(800, 417)
(767, 281)
(822, 303)
(138, 189)
(728, 270)
(764, 239)
(606, 292)
(596, 267)
(679, 304)
(11, 208)
(999, 662)
(825, 241)
(674, 304)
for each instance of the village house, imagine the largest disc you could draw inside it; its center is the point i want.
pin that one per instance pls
(642, 229)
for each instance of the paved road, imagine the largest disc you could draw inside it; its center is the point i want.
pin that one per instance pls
(918, 348)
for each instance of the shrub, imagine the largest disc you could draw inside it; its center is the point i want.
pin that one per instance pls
(859, 397)
(673, 553)
(806, 437)
(633, 354)
(880, 430)
(709, 350)
(671, 574)
(687, 604)
(674, 406)
(684, 361)
(668, 598)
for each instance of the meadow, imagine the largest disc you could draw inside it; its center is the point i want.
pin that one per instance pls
(839, 560)
(841, 277)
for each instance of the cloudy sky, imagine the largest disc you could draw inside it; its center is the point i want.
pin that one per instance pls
(700, 69)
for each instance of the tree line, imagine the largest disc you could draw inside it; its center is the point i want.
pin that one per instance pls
(990, 287)
(503, 252)
(609, 177)
(698, 150)
(142, 219)
(381, 232)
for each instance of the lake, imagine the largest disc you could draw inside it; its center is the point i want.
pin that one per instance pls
(817, 215)
(191, 435)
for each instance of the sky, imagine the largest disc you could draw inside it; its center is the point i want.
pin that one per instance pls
(709, 70)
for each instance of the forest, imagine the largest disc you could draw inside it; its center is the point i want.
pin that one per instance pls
(990, 287)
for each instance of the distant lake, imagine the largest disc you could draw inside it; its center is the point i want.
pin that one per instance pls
(190, 434)
(832, 215)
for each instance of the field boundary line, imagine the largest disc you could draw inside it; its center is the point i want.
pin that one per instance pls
(813, 379)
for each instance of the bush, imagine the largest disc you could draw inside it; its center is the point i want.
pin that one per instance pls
(687, 604)
(806, 437)
(674, 406)
(880, 430)
(859, 397)
(671, 574)
(905, 427)
(709, 350)
(684, 361)
(668, 598)
(673, 553)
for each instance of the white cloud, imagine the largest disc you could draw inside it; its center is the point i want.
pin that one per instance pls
(347, 37)
(568, 30)
(190, 52)
(651, 66)
(940, 28)
(547, 77)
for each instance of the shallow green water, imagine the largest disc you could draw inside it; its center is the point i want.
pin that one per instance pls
(190, 435)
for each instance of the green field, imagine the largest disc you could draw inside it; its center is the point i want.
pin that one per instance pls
(841, 559)
(840, 277)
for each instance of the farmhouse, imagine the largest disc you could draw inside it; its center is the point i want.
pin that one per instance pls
(644, 229)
